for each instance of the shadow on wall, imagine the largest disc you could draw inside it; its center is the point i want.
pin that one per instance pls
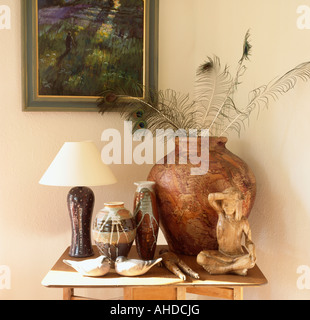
(277, 220)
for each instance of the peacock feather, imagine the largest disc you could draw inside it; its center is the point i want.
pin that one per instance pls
(158, 110)
(213, 107)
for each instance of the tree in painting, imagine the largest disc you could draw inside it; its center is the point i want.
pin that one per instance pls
(88, 46)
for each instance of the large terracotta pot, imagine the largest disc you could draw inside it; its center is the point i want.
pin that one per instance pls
(186, 217)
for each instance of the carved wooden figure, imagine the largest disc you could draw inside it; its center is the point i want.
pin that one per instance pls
(232, 228)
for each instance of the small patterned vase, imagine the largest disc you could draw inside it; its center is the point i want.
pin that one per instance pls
(114, 230)
(147, 219)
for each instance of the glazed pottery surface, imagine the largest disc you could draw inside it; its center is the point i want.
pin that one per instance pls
(80, 203)
(114, 230)
(147, 219)
(186, 217)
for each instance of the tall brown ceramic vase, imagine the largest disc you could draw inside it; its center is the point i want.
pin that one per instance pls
(147, 219)
(186, 217)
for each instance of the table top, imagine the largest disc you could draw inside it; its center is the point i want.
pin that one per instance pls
(62, 276)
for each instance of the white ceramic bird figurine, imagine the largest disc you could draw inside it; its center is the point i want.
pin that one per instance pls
(92, 267)
(134, 267)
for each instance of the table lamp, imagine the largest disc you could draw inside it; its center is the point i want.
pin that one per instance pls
(79, 165)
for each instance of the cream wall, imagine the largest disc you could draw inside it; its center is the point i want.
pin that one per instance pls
(34, 223)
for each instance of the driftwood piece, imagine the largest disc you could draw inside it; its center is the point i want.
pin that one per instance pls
(175, 265)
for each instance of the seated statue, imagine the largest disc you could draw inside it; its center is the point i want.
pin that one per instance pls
(231, 256)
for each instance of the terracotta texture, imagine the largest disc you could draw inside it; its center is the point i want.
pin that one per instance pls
(186, 218)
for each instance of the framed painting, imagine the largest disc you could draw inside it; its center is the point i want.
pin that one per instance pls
(76, 49)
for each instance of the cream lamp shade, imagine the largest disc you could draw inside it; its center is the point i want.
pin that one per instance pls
(78, 164)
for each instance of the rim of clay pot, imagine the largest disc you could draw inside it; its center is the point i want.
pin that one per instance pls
(139, 183)
(114, 204)
(223, 139)
(218, 140)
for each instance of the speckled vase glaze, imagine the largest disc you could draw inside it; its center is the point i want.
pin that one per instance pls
(114, 230)
(147, 219)
(80, 202)
(186, 217)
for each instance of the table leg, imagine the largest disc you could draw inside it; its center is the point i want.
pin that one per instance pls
(238, 293)
(68, 293)
(155, 293)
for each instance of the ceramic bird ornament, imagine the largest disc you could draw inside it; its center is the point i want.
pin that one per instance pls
(92, 267)
(134, 267)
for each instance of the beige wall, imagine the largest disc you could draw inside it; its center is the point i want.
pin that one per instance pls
(34, 223)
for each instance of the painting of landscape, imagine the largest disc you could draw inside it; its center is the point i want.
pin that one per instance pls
(87, 46)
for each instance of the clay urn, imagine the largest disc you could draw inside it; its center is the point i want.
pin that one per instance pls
(187, 220)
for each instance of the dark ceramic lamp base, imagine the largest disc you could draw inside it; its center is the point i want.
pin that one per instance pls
(80, 205)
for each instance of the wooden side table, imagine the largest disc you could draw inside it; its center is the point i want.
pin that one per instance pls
(157, 284)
